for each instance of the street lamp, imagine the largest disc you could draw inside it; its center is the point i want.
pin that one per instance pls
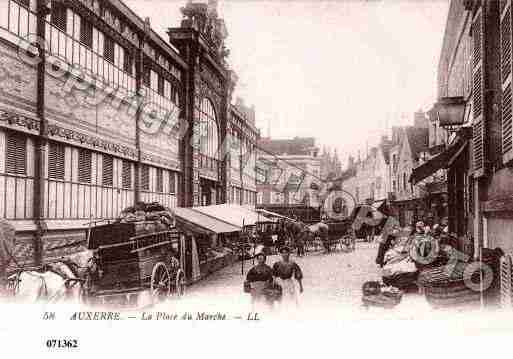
(450, 111)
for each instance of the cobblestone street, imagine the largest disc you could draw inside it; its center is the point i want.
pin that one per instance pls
(332, 284)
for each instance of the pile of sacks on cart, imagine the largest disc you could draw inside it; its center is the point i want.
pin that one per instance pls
(432, 265)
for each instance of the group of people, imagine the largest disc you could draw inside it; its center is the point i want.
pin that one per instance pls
(421, 230)
(285, 275)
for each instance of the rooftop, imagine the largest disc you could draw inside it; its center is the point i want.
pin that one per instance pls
(302, 146)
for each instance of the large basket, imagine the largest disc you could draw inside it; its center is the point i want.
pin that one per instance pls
(451, 294)
(274, 292)
(446, 286)
(381, 300)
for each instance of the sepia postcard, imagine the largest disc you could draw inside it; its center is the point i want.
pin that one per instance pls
(250, 178)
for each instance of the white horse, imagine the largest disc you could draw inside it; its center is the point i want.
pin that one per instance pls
(318, 233)
(56, 283)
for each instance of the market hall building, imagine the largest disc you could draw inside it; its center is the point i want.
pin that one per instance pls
(79, 144)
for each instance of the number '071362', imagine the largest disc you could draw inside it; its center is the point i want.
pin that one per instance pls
(61, 343)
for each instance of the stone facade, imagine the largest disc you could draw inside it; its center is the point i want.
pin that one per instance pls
(291, 169)
(476, 52)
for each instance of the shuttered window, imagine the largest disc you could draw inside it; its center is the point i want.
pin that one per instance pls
(58, 15)
(146, 76)
(506, 121)
(86, 33)
(160, 180)
(506, 44)
(478, 94)
(108, 49)
(108, 170)
(175, 97)
(502, 4)
(126, 175)
(56, 161)
(128, 63)
(172, 182)
(16, 154)
(160, 87)
(84, 166)
(145, 177)
(506, 63)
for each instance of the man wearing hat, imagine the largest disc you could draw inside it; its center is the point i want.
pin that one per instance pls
(285, 271)
(259, 278)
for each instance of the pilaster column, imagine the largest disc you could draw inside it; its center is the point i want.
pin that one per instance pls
(42, 139)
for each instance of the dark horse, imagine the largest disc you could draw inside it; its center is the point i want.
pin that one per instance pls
(297, 233)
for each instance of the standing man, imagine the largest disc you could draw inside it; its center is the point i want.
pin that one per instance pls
(286, 272)
(301, 238)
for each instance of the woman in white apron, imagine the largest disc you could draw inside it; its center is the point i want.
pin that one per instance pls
(286, 273)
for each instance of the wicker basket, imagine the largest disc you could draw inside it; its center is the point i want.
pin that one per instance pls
(446, 287)
(381, 300)
(451, 294)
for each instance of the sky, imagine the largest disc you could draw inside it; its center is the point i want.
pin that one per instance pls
(340, 71)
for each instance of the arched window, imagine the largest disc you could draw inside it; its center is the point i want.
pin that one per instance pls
(209, 141)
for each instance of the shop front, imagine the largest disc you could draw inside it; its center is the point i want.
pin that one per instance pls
(457, 203)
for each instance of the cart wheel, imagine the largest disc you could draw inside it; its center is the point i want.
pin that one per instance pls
(160, 282)
(13, 284)
(180, 283)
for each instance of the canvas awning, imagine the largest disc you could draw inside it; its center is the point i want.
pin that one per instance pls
(195, 221)
(267, 213)
(234, 214)
(443, 160)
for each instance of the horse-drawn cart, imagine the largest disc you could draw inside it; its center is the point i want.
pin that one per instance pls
(331, 235)
(128, 261)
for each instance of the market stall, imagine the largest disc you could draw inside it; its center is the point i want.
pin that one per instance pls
(209, 248)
